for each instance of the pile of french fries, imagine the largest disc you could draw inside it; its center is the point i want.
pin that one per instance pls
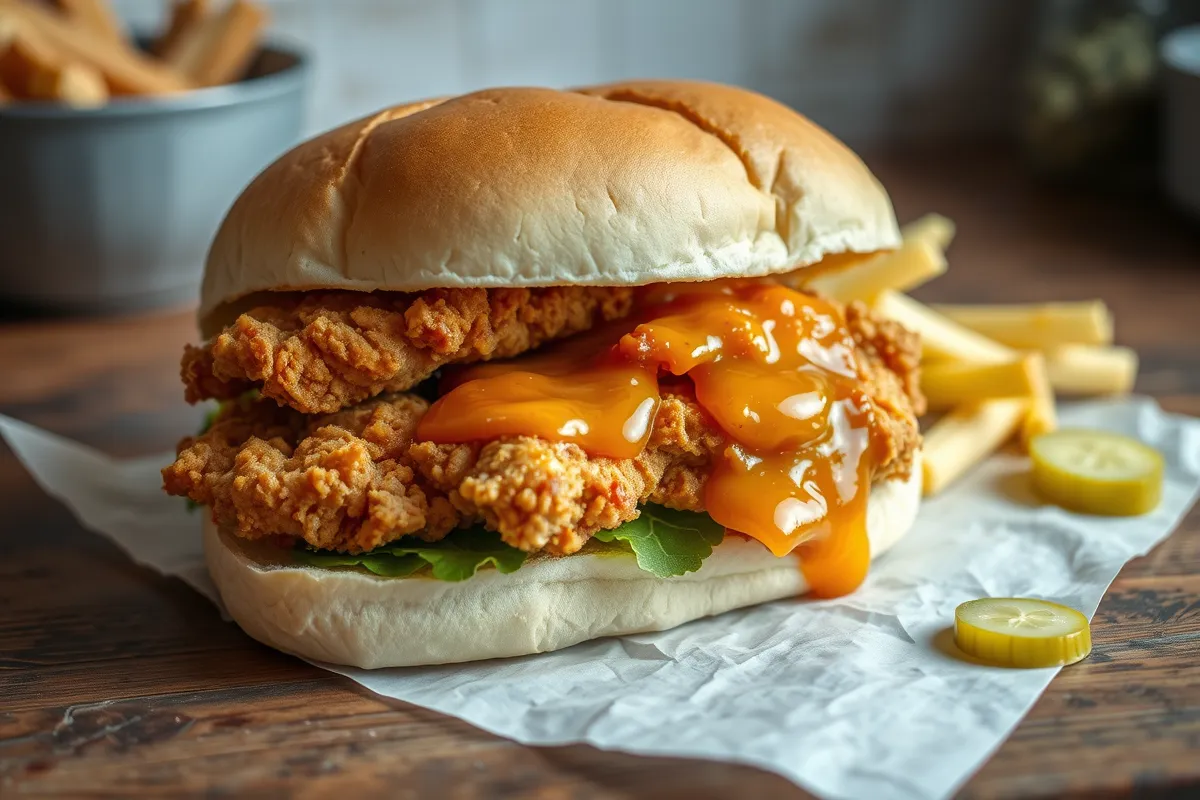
(992, 370)
(75, 53)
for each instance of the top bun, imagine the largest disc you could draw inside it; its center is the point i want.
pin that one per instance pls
(624, 184)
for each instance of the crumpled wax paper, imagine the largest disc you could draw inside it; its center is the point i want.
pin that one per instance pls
(856, 697)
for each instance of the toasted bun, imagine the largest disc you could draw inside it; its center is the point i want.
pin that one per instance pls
(354, 618)
(624, 184)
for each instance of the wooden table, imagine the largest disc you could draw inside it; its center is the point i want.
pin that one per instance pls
(116, 681)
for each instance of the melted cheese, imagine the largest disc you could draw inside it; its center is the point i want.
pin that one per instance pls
(774, 368)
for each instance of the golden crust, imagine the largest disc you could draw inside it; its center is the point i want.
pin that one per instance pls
(355, 479)
(889, 356)
(324, 351)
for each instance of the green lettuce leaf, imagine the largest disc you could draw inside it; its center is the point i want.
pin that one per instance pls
(455, 558)
(384, 564)
(210, 417)
(667, 542)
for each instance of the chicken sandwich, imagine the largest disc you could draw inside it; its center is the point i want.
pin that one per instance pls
(509, 371)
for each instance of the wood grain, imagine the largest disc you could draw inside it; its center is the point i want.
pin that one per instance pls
(115, 681)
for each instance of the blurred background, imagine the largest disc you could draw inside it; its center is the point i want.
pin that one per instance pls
(873, 72)
(869, 70)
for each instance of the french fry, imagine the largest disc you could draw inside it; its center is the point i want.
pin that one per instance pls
(125, 70)
(1042, 416)
(8, 32)
(75, 85)
(966, 436)
(185, 15)
(933, 229)
(1036, 327)
(95, 15)
(218, 49)
(8, 27)
(1087, 370)
(32, 69)
(950, 384)
(941, 339)
(913, 263)
(22, 59)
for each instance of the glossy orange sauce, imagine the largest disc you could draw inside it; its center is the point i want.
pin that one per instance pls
(774, 368)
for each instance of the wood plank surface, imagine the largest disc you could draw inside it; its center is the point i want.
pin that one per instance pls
(117, 682)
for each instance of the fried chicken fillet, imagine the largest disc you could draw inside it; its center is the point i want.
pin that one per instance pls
(356, 479)
(320, 352)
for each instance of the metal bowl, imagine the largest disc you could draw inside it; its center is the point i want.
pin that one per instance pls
(113, 208)
(1180, 52)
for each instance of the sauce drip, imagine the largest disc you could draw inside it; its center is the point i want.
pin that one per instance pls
(582, 391)
(774, 368)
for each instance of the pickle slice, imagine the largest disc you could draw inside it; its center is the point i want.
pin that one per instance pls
(1021, 632)
(1095, 472)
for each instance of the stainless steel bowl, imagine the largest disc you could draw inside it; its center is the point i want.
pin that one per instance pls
(113, 208)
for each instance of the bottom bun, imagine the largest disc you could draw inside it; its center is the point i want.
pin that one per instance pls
(344, 616)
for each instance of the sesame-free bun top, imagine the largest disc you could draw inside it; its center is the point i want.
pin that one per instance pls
(623, 184)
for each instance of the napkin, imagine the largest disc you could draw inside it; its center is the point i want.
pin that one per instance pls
(862, 696)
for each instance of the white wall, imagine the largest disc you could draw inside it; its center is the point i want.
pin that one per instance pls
(869, 70)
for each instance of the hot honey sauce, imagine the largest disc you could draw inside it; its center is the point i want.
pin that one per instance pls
(774, 368)
(582, 391)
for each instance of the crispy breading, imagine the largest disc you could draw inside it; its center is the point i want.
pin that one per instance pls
(355, 479)
(554, 496)
(888, 344)
(338, 482)
(323, 351)
(890, 357)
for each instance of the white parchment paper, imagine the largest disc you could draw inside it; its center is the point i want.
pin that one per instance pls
(856, 697)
